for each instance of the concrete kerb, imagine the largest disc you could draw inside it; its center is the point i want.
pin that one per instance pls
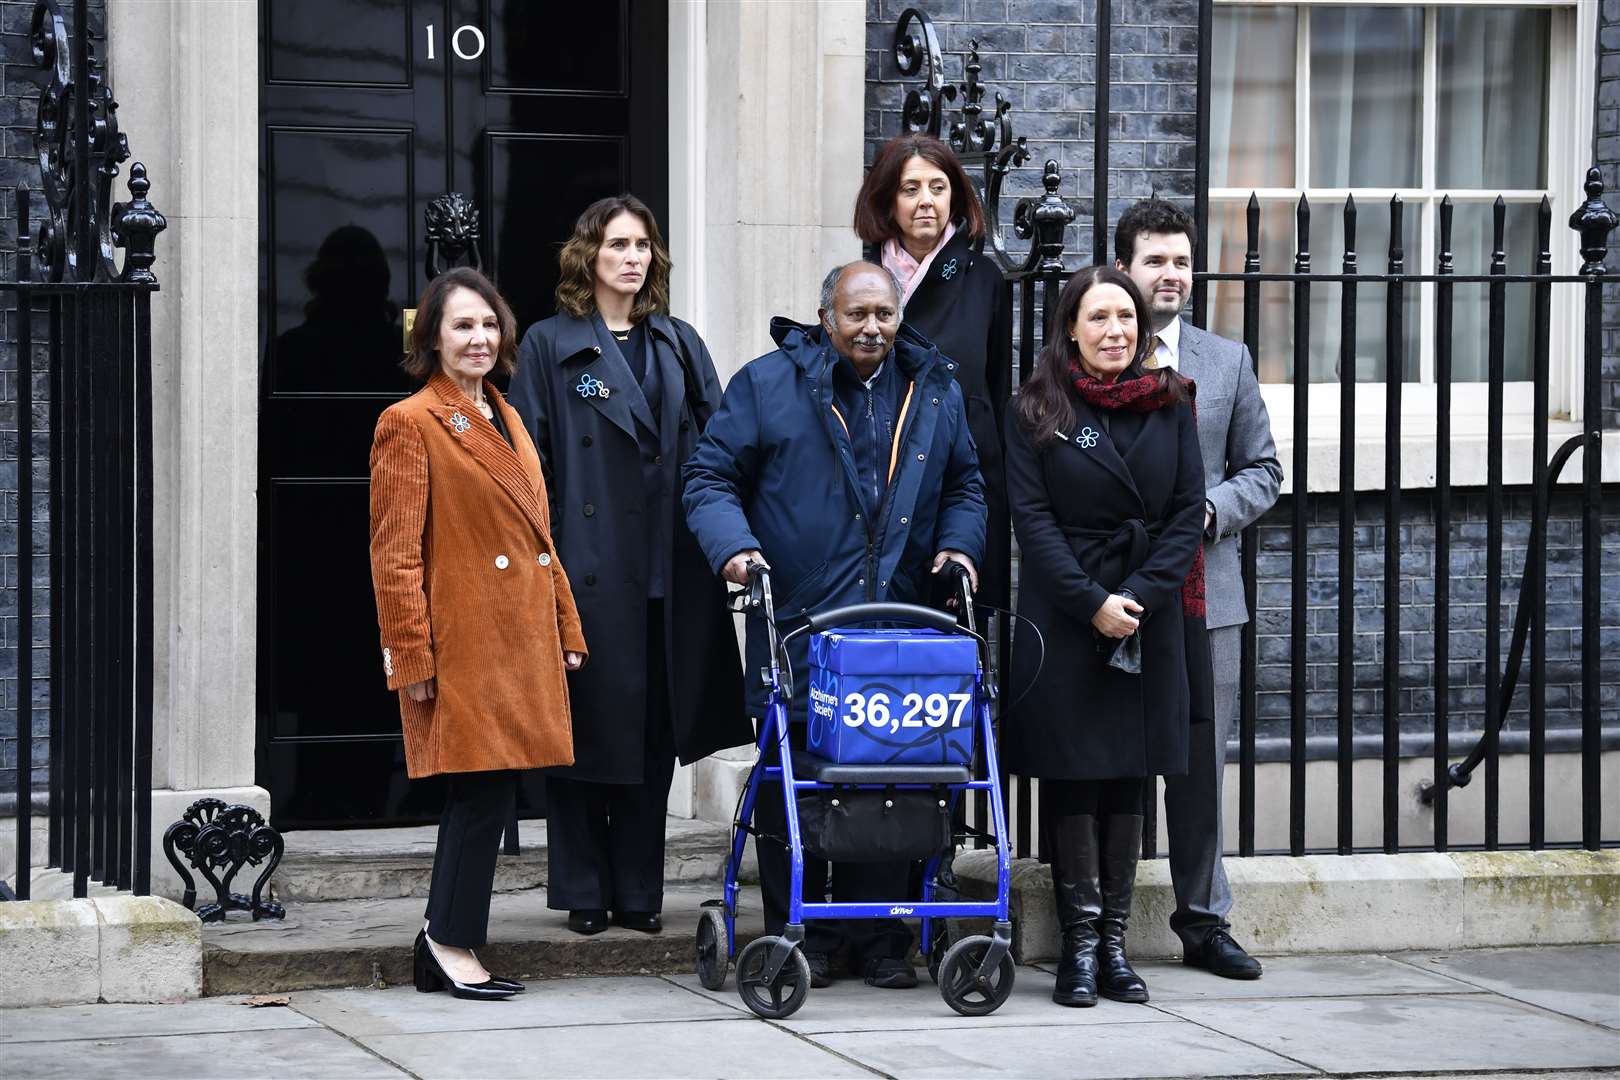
(106, 948)
(1351, 903)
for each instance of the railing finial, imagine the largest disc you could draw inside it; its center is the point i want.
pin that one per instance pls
(1594, 221)
(135, 226)
(1044, 221)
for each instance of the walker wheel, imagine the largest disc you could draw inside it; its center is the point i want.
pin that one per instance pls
(959, 982)
(713, 949)
(782, 996)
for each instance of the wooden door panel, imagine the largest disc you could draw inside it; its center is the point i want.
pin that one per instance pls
(322, 43)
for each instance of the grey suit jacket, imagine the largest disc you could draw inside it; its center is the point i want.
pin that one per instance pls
(1241, 473)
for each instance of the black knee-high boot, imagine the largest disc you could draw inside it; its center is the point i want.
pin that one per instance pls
(1079, 905)
(1121, 836)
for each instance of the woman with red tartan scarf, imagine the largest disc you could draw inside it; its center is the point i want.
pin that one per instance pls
(1106, 487)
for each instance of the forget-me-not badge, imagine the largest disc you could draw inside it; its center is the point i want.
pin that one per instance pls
(590, 386)
(459, 422)
(1088, 437)
(948, 271)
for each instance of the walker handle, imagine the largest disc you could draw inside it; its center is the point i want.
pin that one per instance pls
(906, 613)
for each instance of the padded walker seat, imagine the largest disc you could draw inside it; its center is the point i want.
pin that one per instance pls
(809, 767)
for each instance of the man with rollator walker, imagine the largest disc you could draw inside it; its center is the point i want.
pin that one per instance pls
(842, 462)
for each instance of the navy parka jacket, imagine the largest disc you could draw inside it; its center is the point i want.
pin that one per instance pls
(774, 471)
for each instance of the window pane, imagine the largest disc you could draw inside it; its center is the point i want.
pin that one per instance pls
(1229, 238)
(1493, 98)
(1471, 240)
(1372, 299)
(1252, 97)
(1366, 96)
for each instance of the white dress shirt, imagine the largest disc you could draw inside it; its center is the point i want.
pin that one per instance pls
(1168, 351)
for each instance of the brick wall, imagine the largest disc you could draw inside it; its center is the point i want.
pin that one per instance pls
(1041, 56)
(1608, 157)
(20, 82)
(1468, 613)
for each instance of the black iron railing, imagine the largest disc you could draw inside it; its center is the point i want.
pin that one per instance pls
(1593, 220)
(1031, 286)
(96, 341)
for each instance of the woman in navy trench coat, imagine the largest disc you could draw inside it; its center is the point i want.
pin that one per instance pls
(1106, 484)
(615, 393)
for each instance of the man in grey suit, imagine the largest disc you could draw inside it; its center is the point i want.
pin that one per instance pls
(1154, 243)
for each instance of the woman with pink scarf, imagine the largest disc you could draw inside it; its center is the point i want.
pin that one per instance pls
(919, 216)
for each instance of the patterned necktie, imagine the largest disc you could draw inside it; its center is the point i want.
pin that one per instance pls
(1152, 360)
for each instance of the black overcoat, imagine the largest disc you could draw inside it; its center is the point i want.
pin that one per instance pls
(593, 467)
(958, 308)
(1117, 505)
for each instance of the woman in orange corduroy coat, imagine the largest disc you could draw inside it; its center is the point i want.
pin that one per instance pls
(477, 620)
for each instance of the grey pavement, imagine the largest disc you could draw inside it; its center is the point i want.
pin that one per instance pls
(1547, 1012)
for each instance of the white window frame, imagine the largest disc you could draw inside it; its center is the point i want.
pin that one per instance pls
(1571, 71)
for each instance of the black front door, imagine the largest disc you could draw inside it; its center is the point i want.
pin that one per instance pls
(370, 109)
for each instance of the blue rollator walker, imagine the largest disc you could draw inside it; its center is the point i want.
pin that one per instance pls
(898, 796)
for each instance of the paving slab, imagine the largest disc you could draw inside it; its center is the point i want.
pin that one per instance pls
(1409, 1034)
(546, 1003)
(1292, 977)
(1069, 1051)
(367, 942)
(74, 1022)
(851, 1005)
(644, 1050)
(258, 1055)
(1582, 981)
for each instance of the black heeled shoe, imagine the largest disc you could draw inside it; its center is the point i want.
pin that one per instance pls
(509, 984)
(429, 976)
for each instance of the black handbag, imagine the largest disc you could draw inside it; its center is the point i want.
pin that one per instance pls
(859, 825)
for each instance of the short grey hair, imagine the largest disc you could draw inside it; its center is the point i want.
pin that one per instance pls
(829, 284)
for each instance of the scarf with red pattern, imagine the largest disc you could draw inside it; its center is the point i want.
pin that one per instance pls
(1143, 394)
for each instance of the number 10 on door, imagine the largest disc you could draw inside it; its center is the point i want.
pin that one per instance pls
(457, 42)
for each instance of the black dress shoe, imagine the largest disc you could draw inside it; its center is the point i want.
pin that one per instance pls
(820, 970)
(429, 977)
(587, 921)
(648, 922)
(1219, 955)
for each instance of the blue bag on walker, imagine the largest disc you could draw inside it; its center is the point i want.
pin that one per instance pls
(883, 696)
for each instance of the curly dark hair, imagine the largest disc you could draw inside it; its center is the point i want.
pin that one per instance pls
(423, 358)
(874, 206)
(1150, 216)
(1046, 400)
(576, 288)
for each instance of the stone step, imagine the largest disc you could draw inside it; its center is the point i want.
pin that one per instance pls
(373, 864)
(340, 943)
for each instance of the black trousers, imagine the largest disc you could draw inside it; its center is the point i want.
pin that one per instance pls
(857, 940)
(1098, 798)
(605, 842)
(477, 806)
